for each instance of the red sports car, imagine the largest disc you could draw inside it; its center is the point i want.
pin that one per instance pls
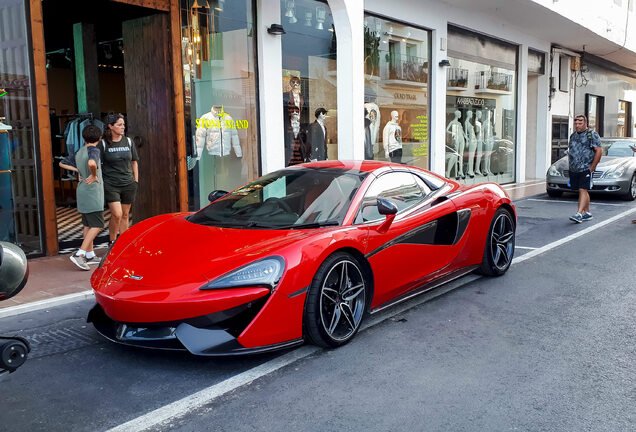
(301, 254)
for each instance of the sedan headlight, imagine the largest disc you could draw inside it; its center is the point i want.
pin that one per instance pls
(554, 172)
(615, 173)
(266, 272)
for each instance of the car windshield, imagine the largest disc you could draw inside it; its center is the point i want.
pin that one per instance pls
(286, 199)
(620, 148)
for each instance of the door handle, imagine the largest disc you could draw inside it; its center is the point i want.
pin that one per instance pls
(5, 171)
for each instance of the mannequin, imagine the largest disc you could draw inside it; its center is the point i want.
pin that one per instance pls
(368, 143)
(480, 142)
(317, 136)
(392, 139)
(374, 126)
(295, 152)
(215, 137)
(293, 98)
(488, 143)
(458, 142)
(471, 139)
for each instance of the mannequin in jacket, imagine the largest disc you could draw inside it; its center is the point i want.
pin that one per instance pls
(392, 139)
(217, 139)
(295, 149)
(317, 136)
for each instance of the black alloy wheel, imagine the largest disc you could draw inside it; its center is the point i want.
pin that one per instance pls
(500, 244)
(336, 302)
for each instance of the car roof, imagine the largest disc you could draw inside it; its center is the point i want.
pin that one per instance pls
(365, 166)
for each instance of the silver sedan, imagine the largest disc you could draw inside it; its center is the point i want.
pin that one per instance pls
(615, 173)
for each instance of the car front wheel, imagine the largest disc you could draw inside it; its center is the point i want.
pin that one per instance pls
(500, 244)
(336, 301)
(631, 191)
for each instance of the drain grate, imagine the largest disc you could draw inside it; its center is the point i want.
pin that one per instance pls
(60, 340)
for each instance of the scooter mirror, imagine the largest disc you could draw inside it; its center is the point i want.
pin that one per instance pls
(14, 270)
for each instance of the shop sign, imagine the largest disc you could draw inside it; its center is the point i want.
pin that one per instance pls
(221, 123)
(471, 101)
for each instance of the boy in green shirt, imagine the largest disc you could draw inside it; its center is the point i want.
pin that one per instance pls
(90, 192)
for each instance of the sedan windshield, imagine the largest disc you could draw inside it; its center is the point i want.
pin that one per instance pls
(618, 148)
(286, 199)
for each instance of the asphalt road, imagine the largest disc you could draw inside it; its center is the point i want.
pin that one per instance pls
(549, 346)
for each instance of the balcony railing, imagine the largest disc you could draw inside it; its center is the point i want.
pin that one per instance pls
(493, 81)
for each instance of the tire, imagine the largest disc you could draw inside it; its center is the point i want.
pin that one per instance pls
(336, 302)
(631, 192)
(554, 193)
(500, 244)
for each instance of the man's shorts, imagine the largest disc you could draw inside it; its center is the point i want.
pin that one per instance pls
(124, 194)
(581, 180)
(93, 220)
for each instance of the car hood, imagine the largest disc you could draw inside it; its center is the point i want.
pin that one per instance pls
(178, 252)
(604, 164)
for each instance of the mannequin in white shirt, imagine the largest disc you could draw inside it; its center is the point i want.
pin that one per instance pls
(392, 139)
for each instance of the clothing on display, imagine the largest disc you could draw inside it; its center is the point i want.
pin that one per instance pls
(215, 136)
(317, 136)
(392, 139)
(373, 115)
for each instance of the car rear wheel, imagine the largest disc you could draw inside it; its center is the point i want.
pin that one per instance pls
(500, 244)
(554, 193)
(631, 191)
(336, 301)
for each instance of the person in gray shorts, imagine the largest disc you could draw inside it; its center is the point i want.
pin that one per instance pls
(120, 164)
(90, 192)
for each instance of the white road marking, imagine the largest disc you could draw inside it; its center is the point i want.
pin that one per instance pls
(44, 304)
(571, 237)
(593, 203)
(525, 247)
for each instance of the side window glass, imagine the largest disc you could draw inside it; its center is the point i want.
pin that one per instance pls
(425, 189)
(400, 188)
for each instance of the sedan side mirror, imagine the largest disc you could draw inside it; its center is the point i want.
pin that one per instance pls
(216, 194)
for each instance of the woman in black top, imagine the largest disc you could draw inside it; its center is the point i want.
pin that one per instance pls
(120, 170)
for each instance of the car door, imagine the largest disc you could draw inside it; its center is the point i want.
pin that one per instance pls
(420, 240)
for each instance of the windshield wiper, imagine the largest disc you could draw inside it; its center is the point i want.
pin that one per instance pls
(310, 225)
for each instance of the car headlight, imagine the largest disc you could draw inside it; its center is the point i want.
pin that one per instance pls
(553, 171)
(615, 173)
(266, 272)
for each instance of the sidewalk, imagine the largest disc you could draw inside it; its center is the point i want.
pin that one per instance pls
(52, 277)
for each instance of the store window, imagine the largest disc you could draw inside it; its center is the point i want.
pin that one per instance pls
(19, 195)
(219, 90)
(396, 95)
(480, 108)
(595, 111)
(309, 82)
(624, 119)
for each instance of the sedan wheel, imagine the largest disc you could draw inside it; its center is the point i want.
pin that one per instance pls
(631, 192)
(336, 301)
(500, 245)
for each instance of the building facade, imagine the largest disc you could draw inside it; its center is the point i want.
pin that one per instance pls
(217, 92)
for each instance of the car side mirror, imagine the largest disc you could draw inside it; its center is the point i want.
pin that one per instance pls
(216, 194)
(14, 270)
(387, 208)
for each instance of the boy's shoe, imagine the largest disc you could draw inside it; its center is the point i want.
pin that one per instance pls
(80, 261)
(578, 218)
(586, 216)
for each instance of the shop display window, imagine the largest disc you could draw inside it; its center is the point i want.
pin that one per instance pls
(309, 82)
(397, 103)
(480, 108)
(219, 90)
